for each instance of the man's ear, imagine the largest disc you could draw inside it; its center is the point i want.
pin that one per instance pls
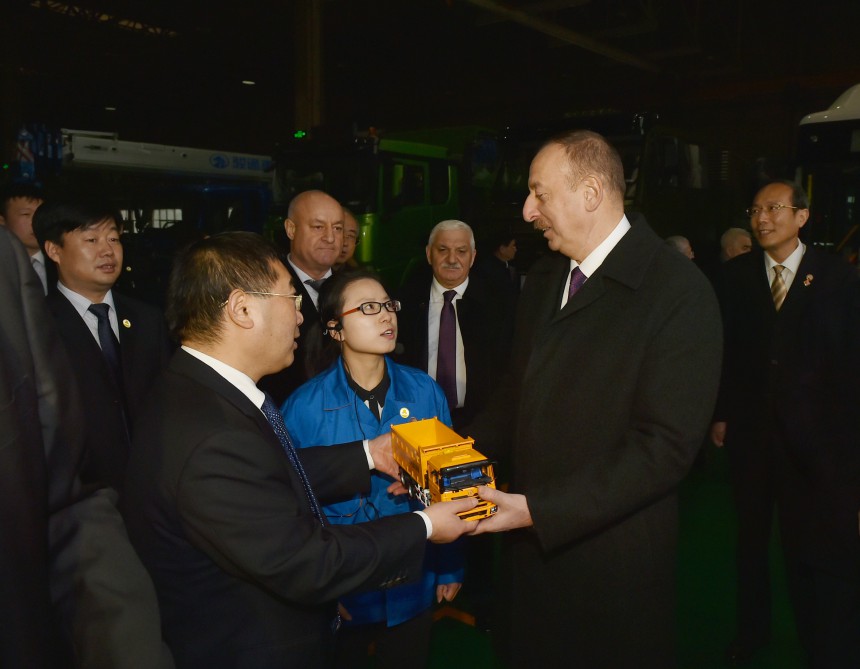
(592, 192)
(290, 228)
(239, 310)
(802, 217)
(427, 251)
(52, 250)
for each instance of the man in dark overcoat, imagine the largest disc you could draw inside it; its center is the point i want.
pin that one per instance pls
(616, 364)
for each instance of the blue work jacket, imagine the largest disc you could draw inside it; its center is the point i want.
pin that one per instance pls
(326, 411)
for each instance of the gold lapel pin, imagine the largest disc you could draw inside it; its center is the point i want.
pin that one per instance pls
(126, 323)
(808, 280)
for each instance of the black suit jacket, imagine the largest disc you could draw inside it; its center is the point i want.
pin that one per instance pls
(611, 398)
(483, 317)
(246, 575)
(145, 349)
(64, 554)
(280, 385)
(794, 373)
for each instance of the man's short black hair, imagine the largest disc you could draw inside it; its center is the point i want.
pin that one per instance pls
(25, 191)
(54, 219)
(206, 272)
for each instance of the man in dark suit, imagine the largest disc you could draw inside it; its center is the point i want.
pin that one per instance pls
(116, 353)
(72, 591)
(18, 203)
(615, 370)
(478, 321)
(785, 413)
(314, 226)
(222, 510)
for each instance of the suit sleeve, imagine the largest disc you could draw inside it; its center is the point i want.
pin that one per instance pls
(672, 402)
(240, 505)
(102, 596)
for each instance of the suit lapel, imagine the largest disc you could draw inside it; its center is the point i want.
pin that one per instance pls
(801, 289)
(187, 365)
(626, 264)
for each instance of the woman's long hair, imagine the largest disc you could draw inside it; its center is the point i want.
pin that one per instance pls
(322, 348)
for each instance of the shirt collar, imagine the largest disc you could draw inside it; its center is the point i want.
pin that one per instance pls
(437, 290)
(81, 303)
(595, 259)
(304, 276)
(240, 380)
(792, 263)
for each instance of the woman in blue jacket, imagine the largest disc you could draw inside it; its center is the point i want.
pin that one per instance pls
(359, 396)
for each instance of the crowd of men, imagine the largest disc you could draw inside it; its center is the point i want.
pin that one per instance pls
(596, 396)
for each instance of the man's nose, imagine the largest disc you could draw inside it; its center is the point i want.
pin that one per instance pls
(530, 212)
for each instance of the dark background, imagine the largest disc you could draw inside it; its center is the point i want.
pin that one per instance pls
(743, 72)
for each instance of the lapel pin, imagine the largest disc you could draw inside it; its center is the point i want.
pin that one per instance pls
(126, 323)
(808, 280)
(404, 413)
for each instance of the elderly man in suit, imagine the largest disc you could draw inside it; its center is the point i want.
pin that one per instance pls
(117, 344)
(72, 591)
(452, 322)
(786, 414)
(314, 225)
(222, 509)
(616, 364)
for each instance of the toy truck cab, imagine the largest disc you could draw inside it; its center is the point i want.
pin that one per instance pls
(438, 465)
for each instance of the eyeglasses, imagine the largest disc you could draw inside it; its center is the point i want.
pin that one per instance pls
(351, 237)
(769, 208)
(297, 298)
(371, 308)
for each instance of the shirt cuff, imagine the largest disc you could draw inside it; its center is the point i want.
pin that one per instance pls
(427, 522)
(366, 444)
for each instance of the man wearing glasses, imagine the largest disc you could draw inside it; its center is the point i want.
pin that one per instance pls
(223, 511)
(787, 399)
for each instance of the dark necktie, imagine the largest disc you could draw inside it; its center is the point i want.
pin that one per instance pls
(577, 278)
(107, 341)
(276, 420)
(446, 357)
(316, 284)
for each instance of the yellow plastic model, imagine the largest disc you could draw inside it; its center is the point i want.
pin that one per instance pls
(438, 465)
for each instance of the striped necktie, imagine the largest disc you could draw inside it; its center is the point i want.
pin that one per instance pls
(276, 420)
(778, 289)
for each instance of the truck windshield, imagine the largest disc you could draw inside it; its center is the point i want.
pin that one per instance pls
(465, 476)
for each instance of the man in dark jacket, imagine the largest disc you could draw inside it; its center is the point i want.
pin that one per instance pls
(615, 370)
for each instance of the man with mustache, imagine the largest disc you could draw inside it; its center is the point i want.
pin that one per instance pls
(460, 349)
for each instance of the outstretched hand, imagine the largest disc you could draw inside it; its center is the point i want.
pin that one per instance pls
(513, 512)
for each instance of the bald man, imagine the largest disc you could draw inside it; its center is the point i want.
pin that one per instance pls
(314, 225)
(734, 242)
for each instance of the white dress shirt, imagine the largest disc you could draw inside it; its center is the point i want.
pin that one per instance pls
(791, 264)
(38, 262)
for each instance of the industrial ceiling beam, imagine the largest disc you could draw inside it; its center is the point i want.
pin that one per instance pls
(569, 36)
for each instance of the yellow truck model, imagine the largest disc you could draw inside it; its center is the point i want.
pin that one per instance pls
(438, 465)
